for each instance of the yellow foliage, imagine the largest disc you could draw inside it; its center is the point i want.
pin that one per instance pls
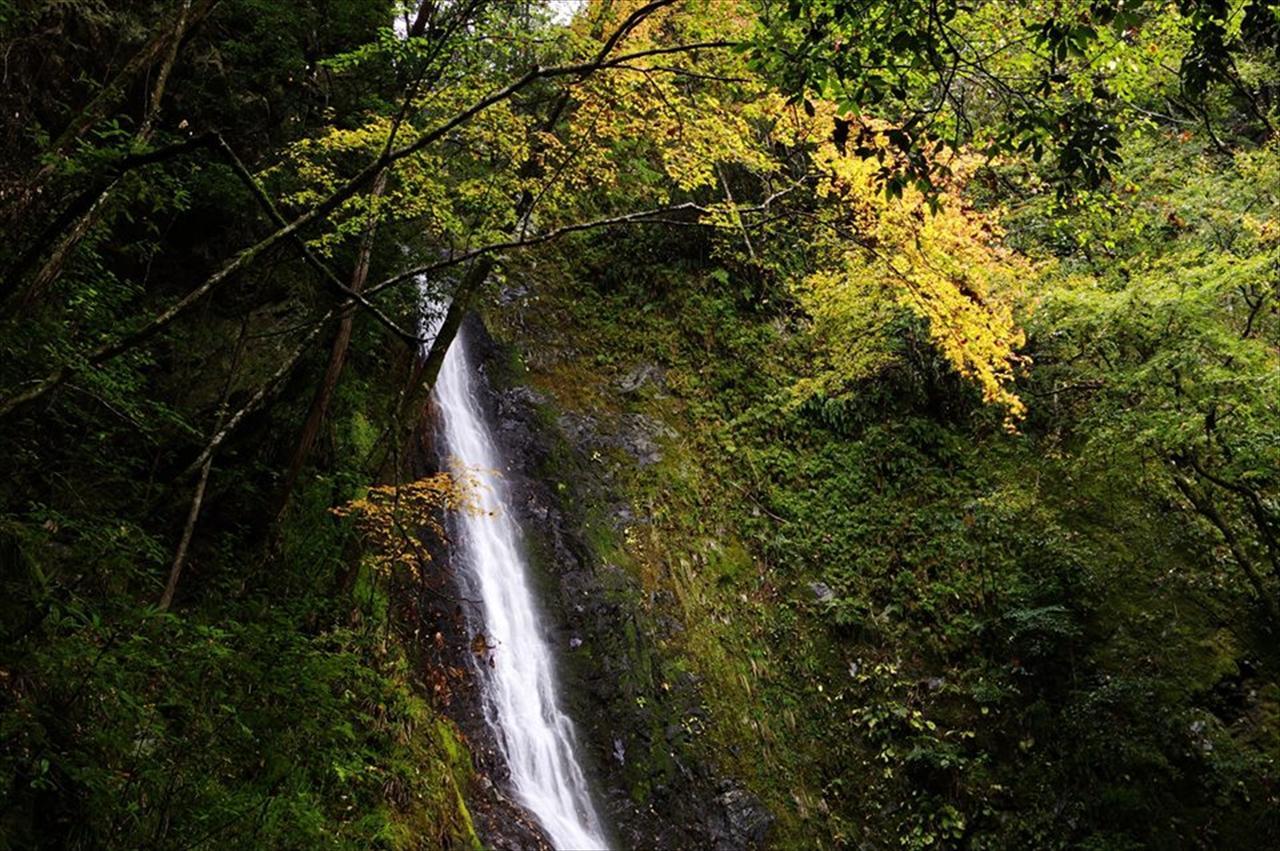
(946, 265)
(674, 125)
(871, 254)
(658, 122)
(399, 522)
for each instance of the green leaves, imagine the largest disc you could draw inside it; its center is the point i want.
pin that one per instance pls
(956, 72)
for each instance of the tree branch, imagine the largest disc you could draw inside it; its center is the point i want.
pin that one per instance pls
(107, 351)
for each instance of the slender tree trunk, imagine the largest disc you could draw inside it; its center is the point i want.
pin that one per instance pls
(1210, 512)
(260, 395)
(193, 514)
(197, 500)
(53, 266)
(426, 11)
(86, 200)
(337, 358)
(204, 463)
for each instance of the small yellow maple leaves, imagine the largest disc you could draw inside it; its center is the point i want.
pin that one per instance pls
(400, 523)
(872, 254)
(946, 265)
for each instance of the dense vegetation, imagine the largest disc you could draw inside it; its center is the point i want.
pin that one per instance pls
(958, 342)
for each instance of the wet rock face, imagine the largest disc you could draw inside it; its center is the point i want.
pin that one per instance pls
(739, 821)
(635, 435)
(822, 592)
(444, 655)
(631, 717)
(503, 824)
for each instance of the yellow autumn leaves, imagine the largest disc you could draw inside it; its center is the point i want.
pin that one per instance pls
(669, 127)
(401, 523)
(871, 256)
(946, 265)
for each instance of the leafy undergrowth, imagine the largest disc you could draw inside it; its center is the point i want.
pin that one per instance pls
(904, 625)
(277, 706)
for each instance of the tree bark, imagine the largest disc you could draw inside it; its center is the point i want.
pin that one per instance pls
(180, 558)
(260, 394)
(197, 499)
(337, 358)
(204, 462)
(1210, 512)
(53, 266)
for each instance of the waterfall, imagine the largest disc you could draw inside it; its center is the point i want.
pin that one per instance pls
(516, 674)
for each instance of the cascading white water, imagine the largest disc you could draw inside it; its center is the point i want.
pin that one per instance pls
(517, 677)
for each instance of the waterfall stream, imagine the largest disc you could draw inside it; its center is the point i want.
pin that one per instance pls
(516, 673)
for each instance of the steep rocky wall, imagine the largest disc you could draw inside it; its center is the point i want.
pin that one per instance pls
(635, 713)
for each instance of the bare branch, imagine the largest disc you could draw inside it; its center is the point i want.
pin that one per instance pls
(244, 257)
(654, 216)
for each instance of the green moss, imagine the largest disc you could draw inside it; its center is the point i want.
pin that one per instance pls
(994, 602)
(363, 434)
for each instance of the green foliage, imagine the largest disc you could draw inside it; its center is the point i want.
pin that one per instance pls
(1014, 78)
(272, 707)
(171, 731)
(840, 578)
(1030, 640)
(1166, 344)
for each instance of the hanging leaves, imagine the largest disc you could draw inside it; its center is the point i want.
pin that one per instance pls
(399, 523)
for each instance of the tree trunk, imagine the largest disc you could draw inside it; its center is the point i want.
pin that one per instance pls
(337, 359)
(1210, 512)
(53, 266)
(197, 499)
